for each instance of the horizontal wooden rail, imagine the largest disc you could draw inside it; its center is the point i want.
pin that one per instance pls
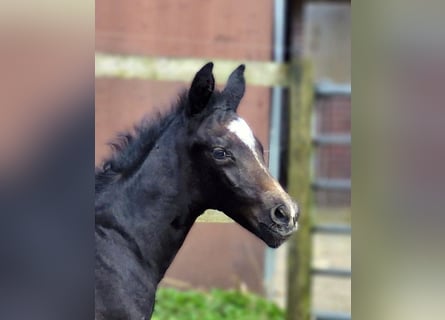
(326, 315)
(332, 184)
(332, 139)
(259, 73)
(331, 272)
(332, 229)
(327, 88)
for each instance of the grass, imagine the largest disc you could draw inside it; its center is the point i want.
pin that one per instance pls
(173, 304)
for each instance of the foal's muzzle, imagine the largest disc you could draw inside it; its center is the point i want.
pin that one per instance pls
(282, 222)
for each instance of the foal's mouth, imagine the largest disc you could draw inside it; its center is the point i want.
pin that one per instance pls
(273, 235)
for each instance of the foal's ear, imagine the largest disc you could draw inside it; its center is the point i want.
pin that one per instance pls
(201, 89)
(234, 90)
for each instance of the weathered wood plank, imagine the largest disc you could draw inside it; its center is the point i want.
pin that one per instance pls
(300, 142)
(182, 69)
(214, 216)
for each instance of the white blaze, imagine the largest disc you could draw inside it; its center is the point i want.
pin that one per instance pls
(242, 130)
(245, 134)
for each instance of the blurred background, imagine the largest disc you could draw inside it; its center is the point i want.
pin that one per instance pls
(46, 83)
(298, 103)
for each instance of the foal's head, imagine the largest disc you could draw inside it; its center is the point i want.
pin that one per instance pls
(229, 163)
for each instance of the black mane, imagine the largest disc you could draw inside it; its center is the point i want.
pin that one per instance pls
(130, 148)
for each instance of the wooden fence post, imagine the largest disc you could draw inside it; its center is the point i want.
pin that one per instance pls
(299, 185)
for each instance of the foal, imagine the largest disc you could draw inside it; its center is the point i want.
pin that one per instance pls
(201, 155)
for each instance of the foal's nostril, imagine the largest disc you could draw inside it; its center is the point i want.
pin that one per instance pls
(280, 215)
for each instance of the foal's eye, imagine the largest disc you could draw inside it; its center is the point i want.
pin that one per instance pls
(219, 154)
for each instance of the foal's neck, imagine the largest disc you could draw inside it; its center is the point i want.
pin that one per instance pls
(156, 206)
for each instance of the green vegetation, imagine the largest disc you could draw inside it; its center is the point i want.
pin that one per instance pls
(172, 304)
